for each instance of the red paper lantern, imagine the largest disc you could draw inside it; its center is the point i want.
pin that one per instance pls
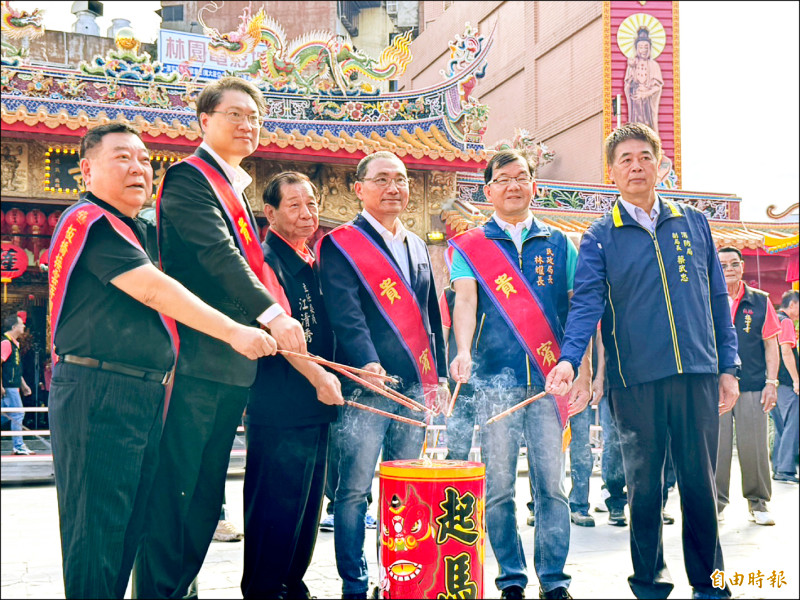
(14, 260)
(16, 219)
(52, 219)
(36, 219)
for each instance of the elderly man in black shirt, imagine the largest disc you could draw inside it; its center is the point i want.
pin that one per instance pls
(292, 403)
(114, 350)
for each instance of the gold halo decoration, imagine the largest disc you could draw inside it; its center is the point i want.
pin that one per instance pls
(629, 28)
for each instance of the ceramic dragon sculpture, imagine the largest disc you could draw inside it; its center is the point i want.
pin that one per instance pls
(16, 25)
(317, 61)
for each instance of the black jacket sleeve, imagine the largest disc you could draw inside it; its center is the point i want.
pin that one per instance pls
(198, 248)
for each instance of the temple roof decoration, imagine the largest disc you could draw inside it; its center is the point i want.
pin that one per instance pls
(126, 63)
(461, 215)
(430, 125)
(777, 244)
(537, 152)
(316, 62)
(16, 25)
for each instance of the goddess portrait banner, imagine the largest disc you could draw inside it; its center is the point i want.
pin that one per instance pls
(641, 74)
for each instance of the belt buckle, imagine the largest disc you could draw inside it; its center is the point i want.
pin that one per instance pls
(168, 377)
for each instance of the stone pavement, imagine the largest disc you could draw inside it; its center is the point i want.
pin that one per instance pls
(599, 559)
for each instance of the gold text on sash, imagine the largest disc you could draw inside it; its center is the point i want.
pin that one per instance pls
(504, 285)
(388, 287)
(424, 362)
(547, 354)
(244, 229)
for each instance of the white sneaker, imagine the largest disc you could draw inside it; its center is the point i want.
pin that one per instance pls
(762, 517)
(227, 532)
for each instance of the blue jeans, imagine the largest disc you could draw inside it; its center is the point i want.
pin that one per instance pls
(12, 399)
(362, 435)
(580, 461)
(787, 432)
(500, 444)
(613, 473)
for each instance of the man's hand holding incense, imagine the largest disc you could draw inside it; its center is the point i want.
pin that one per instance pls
(376, 368)
(461, 367)
(559, 380)
(288, 333)
(329, 389)
(252, 342)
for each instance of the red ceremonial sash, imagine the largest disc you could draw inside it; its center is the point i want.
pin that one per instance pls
(245, 233)
(394, 298)
(68, 241)
(512, 295)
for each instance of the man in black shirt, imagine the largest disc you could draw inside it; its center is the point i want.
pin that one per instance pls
(292, 403)
(113, 360)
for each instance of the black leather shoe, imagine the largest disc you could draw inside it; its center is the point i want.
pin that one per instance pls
(559, 592)
(616, 517)
(667, 518)
(512, 592)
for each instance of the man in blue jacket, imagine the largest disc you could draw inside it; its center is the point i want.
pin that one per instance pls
(650, 269)
(513, 276)
(377, 284)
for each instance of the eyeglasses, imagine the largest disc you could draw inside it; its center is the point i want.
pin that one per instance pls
(237, 118)
(733, 265)
(382, 182)
(504, 181)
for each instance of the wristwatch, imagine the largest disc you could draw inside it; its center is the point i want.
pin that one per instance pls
(735, 371)
(774, 382)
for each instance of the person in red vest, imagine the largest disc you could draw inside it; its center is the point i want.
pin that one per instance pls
(514, 276)
(114, 349)
(757, 328)
(208, 241)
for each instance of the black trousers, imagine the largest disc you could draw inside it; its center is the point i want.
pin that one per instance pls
(105, 430)
(681, 411)
(284, 485)
(184, 506)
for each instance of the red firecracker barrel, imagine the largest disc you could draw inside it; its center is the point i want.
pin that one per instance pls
(432, 528)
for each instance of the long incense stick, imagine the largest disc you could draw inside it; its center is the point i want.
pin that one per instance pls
(377, 411)
(515, 408)
(345, 369)
(331, 364)
(453, 400)
(418, 405)
(382, 391)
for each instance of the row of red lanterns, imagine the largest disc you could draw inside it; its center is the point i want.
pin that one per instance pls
(34, 222)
